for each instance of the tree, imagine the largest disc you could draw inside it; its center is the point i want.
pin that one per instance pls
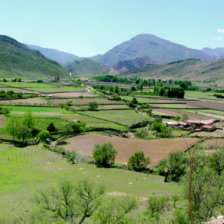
(142, 133)
(43, 135)
(138, 162)
(149, 111)
(174, 167)
(115, 210)
(157, 206)
(76, 128)
(104, 155)
(207, 188)
(134, 100)
(69, 203)
(12, 126)
(93, 106)
(51, 127)
(28, 120)
(23, 132)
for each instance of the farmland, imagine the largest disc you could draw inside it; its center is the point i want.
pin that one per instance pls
(119, 116)
(155, 149)
(134, 123)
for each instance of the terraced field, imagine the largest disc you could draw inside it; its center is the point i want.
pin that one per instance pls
(37, 101)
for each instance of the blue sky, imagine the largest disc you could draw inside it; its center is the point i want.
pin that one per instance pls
(90, 27)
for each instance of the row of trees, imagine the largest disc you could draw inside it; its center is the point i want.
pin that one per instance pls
(24, 129)
(169, 91)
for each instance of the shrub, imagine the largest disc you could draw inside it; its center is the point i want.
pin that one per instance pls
(76, 128)
(93, 106)
(51, 127)
(185, 117)
(43, 135)
(142, 133)
(104, 155)
(149, 111)
(138, 162)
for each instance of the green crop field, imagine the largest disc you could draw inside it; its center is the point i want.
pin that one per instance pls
(125, 117)
(41, 87)
(24, 171)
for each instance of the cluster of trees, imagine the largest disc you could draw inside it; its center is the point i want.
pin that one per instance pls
(111, 90)
(24, 129)
(13, 80)
(177, 92)
(10, 94)
(162, 131)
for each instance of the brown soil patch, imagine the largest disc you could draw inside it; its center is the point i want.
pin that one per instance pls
(210, 104)
(2, 121)
(72, 94)
(213, 143)
(155, 149)
(180, 113)
(83, 101)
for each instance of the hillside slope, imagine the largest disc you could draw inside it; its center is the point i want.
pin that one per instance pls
(55, 55)
(147, 45)
(134, 63)
(17, 59)
(86, 67)
(187, 69)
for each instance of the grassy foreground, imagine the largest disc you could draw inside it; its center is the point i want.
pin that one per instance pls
(24, 171)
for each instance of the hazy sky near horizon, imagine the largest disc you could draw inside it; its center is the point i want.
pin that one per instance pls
(90, 27)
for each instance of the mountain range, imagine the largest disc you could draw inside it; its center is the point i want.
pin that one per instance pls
(16, 59)
(147, 45)
(143, 55)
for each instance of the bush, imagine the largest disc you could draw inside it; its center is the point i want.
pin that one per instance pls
(149, 111)
(185, 117)
(104, 155)
(51, 127)
(142, 133)
(76, 128)
(93, 106)
(43, 135)
(138, 162)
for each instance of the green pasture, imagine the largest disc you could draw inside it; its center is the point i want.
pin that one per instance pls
(42, 87)
(124, 117)
(24, 171)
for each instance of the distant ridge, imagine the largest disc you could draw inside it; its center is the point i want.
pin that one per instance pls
(191, 69)
(55, 55)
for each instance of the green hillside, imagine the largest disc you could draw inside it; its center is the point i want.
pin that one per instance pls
(86, 67)
(17, 59)
(187, 69)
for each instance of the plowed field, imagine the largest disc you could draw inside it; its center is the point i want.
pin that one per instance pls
(155, 149)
